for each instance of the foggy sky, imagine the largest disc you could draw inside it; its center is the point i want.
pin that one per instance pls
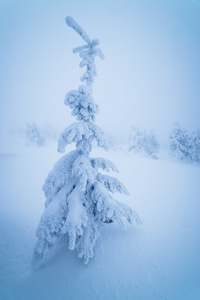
(149, 78)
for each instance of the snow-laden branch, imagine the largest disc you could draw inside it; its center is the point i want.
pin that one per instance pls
(83, 133)
(73, 24)
(76, 218)
(109, 209)
(82, 169)
(82, 103)
(87, 241)
(50, 226)
(87, 52)
(104, 164)
(112, 184)
(58, 176)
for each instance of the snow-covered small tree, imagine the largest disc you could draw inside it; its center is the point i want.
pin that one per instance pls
(141, 142)
(194, 146)
(151, 147)
(33, 135)
(136, 139)
(179, 142)
(78, 196)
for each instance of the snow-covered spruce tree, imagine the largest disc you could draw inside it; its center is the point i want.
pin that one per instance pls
(78, 197)
(194, 146)
(33, 136)
(136, 140)
(151, 147)
(141, 142)
(179, 142)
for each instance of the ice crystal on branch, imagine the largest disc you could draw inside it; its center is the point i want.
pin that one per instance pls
(78, 197)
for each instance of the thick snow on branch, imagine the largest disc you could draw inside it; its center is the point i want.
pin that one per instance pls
(82, 103)
(72, 23)
(83, 170)
(87, 52)
(88, 60)
(112, 184)
(51, 223)
(104, 164)
(83, 133)
(58, 176)
(86, 243)
(65, 214)
(76, 218)
(109, 210)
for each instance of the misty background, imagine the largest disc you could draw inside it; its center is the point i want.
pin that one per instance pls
(149, 77)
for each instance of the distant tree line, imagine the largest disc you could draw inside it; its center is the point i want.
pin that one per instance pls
(182, 145)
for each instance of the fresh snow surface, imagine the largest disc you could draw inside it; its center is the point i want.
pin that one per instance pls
(157, 260)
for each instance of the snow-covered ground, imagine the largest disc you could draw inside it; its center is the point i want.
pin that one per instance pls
(158, 260)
